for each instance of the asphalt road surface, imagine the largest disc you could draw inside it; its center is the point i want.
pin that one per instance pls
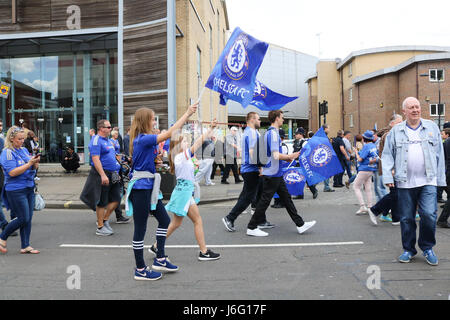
(342, 257)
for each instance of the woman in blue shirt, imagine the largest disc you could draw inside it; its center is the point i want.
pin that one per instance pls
(143, 186)
(368, 163)
(18, 193)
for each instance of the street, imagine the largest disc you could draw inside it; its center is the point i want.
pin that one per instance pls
(343, 257)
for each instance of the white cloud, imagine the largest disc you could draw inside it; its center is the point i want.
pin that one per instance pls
(47, 86)
(24, 65)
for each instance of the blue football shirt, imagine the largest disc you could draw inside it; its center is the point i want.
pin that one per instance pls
(145, 150)
(103, 147)
(12, 159)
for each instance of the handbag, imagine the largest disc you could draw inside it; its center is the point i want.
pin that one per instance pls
(39, 202)
(115, 177)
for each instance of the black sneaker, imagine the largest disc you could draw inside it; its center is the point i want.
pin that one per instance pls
(209, 255)
(443, 224)
(153, 249)
(229, 225)
(266, 225)
(224, 182)
(122, 220)
(315, 194)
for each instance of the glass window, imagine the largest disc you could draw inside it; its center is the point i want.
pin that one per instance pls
(350, 94)
(48, 96)
(436, 75)
(434, 109)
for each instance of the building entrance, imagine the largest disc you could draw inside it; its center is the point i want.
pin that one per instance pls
(60, 96)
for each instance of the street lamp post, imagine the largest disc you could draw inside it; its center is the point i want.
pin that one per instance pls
(439, 94)
(439, 101)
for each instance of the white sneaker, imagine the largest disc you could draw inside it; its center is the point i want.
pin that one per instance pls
(103, 232)
(362, 210)
(396, 223)
(372, 216)
(256, 233)
(306, 226)
(210, 184)
(108, 226)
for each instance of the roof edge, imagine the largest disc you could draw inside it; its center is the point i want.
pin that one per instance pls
(415, 59)
(390, 49)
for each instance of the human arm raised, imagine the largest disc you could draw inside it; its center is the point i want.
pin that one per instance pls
(180, 122)
(198, 143)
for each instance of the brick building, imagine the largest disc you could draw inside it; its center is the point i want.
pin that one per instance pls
(368, 86)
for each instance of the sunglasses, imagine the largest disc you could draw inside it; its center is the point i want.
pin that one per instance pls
(107, 127)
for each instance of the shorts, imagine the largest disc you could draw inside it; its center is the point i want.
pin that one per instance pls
(110, 193)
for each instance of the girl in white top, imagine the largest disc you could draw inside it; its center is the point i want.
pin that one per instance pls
(182, 202)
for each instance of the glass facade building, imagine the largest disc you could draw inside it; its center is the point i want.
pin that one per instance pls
(58, 93)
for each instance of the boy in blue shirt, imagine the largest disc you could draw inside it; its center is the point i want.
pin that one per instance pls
(273, 180)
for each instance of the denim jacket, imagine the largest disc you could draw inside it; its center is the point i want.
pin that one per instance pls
(395, 153)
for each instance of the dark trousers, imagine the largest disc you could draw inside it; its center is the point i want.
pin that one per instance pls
(118, 210)
(440, 192)
(337, 179)
(258, 193)
(226, 172)
(313, 188)
(70, 165)
(270, 186)
(214, 168)
(247, 196)
(140, 198)
(445, 214)
(388, 202)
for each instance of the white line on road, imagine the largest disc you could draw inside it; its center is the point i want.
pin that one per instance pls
(273, 245)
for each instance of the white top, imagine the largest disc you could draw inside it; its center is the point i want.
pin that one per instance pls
(184, 167)
(416, 176)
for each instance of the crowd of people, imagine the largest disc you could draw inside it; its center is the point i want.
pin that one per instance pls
(407, 160)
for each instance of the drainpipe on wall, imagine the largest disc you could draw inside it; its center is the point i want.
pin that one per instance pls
(171, 63)
(359, 111)
(342, 100)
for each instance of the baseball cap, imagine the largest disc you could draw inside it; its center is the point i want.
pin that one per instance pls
(300, 130)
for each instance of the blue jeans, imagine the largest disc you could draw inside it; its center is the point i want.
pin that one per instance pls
(380, 189)
(326, 184)
(21, 203)
(425, 200)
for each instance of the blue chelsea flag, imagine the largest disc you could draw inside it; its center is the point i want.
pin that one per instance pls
(294, 180)
(234, 75)
(267, 100)
(264, 98)
(318, 159)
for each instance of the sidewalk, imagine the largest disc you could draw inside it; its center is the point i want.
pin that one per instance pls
(62, 190)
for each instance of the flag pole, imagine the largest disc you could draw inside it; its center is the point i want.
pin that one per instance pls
(199, 116)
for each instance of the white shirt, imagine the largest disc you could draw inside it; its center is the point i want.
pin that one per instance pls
(416, 176)
(184, 167)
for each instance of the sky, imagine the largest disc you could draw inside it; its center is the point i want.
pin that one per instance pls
(342, 26)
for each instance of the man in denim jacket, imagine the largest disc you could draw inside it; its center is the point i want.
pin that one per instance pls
(413, 159)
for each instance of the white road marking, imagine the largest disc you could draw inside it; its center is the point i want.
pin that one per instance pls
(273, 245)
